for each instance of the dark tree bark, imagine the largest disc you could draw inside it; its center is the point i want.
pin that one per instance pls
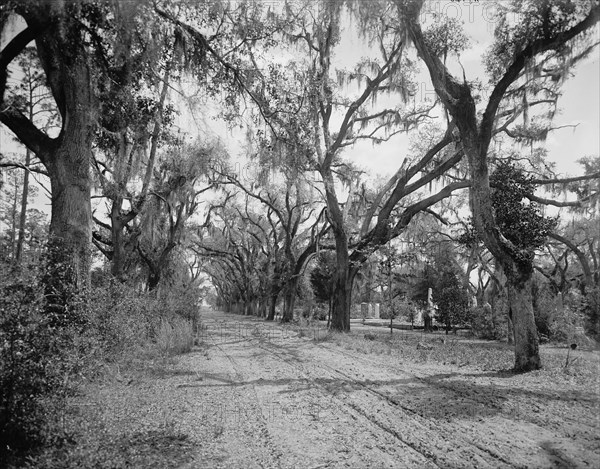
(23, 214)
(67, 65)
(289, 300)
(475, 140)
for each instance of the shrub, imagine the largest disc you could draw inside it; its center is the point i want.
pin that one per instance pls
(591, 312)
(122, 318)
(125, 320)
(42, 354)
(486, 324)
(179, 302)
(320, 312)
(33, 363)
(175, 336)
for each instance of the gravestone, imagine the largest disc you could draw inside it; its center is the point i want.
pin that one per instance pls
(376, 311)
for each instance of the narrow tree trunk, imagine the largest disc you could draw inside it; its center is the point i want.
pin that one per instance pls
(23, 215)
(117, 267)
(13, 221)
(263, 307)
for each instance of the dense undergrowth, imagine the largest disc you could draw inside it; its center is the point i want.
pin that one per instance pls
(43, 363)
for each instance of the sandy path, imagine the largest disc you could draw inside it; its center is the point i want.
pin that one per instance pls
(259, 396)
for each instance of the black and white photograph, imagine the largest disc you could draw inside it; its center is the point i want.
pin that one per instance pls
(299, 234)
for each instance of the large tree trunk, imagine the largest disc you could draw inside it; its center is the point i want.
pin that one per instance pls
(510, 328)
(527, 356)
(476, 136)
(68, 268)
(290, 300)
(153, 279)
(272, 305)
(67, 158)
(342, 288)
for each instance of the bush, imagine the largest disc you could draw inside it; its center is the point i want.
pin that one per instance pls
(175, 336)
(125, 320)
(122, 318)
(179, 302)
(591, 312)
(42, 358)
(486, 324)
(320, 312)
(34, 363)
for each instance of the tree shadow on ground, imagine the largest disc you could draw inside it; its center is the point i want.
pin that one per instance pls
(492, 390)
(557, 457)
(441, 396)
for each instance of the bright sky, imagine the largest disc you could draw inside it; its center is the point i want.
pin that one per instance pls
(579, 105)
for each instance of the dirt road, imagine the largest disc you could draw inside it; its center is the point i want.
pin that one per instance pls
(260, 396)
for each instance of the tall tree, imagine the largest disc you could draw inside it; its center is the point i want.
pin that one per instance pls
(75, 42)
(297, 225)
(546, 41)
(63, 46)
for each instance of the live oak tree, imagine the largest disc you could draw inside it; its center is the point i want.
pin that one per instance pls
(75, 44)
(541, 46)
(309, 90)
(296, 225)
(179, 181)
(135, 121)
(61, 44)
(140, 107)
(87, 50)
(239, 252)
(339, 118)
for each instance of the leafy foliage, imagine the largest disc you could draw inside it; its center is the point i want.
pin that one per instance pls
(591, 310)
(25, 339)
(38, 358)
(446, 36)
(537, 21)
(321, 277)
(451, 298)
(520, 221)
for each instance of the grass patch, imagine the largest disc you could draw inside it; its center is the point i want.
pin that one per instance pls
(175, 336)
(454, 352)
